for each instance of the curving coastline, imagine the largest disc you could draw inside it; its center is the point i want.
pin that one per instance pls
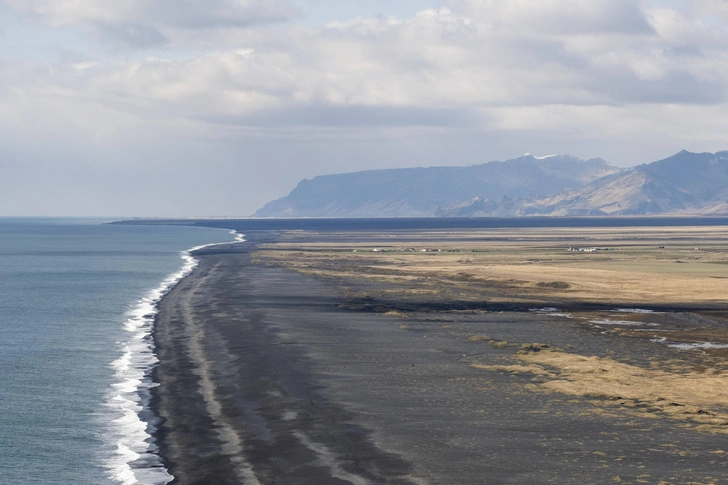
(266, 377)
(236, 404)
(136, 459)
(130, 398)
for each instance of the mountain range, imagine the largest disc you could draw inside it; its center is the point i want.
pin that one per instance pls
(420, 192)
(684, 184)
(558, 185)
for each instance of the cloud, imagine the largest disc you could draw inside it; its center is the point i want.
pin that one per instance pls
(149, 23)
(411, 72)
(472, 81)
(710, 8)
(564, 17)
(447, 67)
(356, 116)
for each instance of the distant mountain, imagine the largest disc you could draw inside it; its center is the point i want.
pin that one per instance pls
(416, 192)
(684, 184)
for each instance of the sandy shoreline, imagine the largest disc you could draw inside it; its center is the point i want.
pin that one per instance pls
(265, 379)
(237, 406)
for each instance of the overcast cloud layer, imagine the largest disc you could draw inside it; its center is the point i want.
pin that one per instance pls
(173, 108)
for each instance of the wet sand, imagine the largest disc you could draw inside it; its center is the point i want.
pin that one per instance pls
(267, 376)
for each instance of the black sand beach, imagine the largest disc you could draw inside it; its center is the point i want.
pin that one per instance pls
(265, 379)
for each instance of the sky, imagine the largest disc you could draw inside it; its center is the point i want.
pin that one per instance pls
(191, 108)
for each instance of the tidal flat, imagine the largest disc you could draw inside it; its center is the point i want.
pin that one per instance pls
(458, 356)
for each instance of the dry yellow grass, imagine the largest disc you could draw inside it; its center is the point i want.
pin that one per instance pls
(655, 265)
(642, 266)
(698, 397)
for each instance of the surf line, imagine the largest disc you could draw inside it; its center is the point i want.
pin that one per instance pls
(133, 425)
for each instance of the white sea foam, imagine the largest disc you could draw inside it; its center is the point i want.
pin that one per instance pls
(131, 429)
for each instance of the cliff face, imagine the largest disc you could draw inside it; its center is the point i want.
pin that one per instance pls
(422, 191)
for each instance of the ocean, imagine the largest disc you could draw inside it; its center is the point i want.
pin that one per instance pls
(77, 300)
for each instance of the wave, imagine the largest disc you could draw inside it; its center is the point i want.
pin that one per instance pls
(131, 430)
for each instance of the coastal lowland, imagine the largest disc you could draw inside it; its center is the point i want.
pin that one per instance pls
(449, 356)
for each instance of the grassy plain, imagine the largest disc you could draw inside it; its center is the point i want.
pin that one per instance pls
(633, 266)
(680, 275)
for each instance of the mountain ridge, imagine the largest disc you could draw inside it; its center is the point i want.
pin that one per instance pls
(413, 192)
(686, 183)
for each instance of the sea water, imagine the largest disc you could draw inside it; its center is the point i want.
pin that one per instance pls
(77, 301)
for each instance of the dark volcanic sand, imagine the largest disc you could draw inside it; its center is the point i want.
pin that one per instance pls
(265, 380)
